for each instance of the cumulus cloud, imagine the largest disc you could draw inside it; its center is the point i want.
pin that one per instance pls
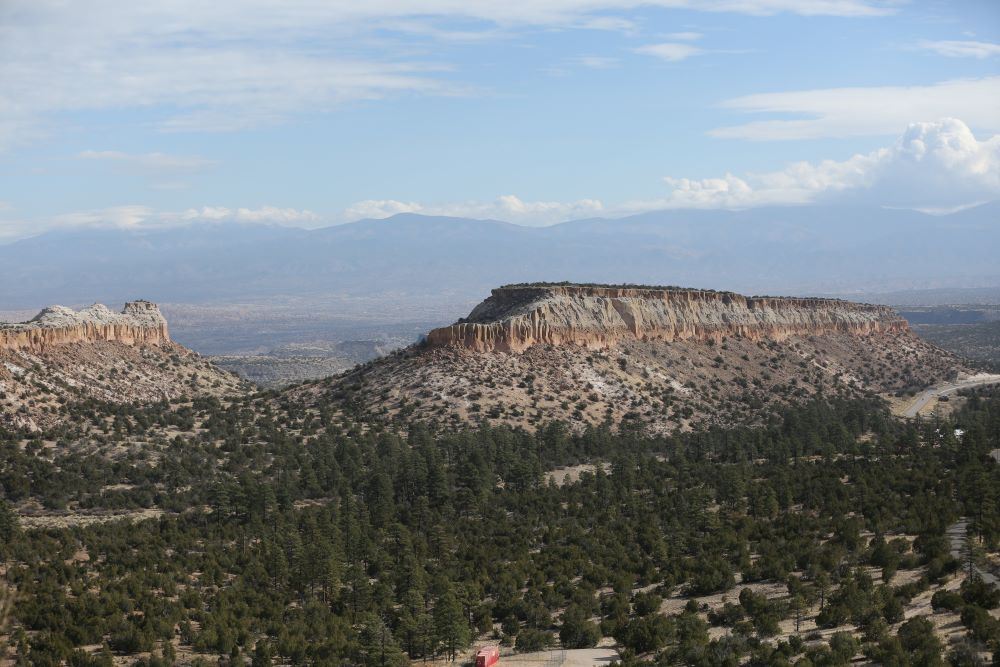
(962, 48)
(847, 112)
(379, 208)
(932, 166)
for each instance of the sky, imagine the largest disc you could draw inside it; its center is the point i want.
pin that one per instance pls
(310, 113)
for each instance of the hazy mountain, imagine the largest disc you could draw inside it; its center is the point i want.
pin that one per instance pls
(768, 250)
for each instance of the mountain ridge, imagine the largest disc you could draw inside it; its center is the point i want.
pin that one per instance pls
(766, 250)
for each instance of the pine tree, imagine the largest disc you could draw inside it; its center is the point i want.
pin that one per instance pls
(450, 624)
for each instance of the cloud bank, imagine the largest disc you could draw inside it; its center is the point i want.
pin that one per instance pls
(851, 112)
(935, 166)
(509, 208)
(932, 166)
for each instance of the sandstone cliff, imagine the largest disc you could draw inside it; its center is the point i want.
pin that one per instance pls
(63, 356)
(139, 323)
(517, 317)
(658, 358)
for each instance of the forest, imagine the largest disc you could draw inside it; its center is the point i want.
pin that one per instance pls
(282, 537)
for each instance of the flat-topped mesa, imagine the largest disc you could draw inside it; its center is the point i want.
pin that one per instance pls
(139, 323)
(518, 316)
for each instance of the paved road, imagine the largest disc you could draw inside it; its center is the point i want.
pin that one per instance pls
(957, 536)
(928, 395)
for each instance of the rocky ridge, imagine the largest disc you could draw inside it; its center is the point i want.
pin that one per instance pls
(517, 317)
(662, 358)
(139, 323)
(62, 357)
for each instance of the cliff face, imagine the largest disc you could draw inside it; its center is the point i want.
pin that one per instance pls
(139, 323)
(514, 319)
(63, 356)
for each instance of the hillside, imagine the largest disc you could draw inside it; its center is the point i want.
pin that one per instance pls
(62, 357)
(664, 358)
(263, 529)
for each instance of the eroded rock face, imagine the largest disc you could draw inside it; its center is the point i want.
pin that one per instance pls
(139, 323)
(518, 317)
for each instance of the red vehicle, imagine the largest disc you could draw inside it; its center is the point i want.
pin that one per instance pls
(488, 656)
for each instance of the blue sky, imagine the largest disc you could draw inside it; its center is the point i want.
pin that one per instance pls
(311, 113)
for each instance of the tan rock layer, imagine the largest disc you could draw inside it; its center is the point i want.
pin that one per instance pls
(140, 323)
(514, 319)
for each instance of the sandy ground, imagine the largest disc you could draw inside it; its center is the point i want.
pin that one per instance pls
(582, 657)
(571, 474)
(68, 520)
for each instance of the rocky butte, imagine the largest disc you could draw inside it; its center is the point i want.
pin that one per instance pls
(660, 358)
(517, 317)
(139, 323)
(64, 356)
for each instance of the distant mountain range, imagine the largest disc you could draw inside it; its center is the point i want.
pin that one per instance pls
(786, 250)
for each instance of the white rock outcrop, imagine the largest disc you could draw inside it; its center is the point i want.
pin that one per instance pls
(514, 318)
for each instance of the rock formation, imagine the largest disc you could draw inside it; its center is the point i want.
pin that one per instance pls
(517, 317)
(139, 323)
(659, 358)
(64, 356)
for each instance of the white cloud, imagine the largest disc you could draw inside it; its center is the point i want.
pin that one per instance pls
(509, 208)
(124, 217)
(150, 161)
(962, 49)
(932, 166)
(378, 208)
(568, 65)
(596, 62)
(160, 169)
(144, 217)
(265, 214)
(670, 51)
(232, 64)
(846, 112)
(685, 36)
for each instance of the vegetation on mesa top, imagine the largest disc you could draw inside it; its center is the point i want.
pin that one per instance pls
(567, 283)
(542, 285)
